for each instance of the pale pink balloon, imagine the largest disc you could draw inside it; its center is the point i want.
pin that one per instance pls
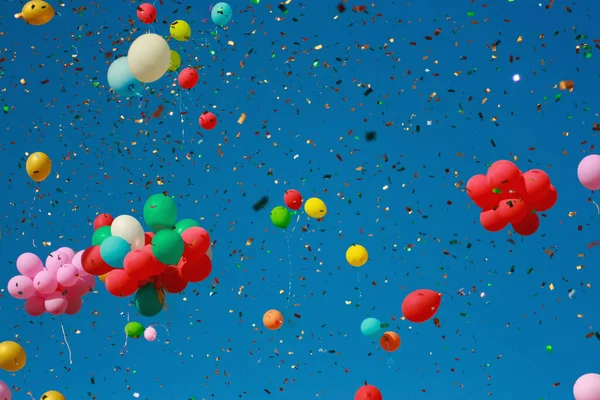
(45, 282)
(73, 307)
(587, 387)
(69, 252)
(5, 393)
(34, 306)
(76, 261)
(90, 281)
(29, 265)
(150, 334)
(55, 260)
(56, 304)
(21, 287)
(67, 275)
(79, 289)
(588, 172)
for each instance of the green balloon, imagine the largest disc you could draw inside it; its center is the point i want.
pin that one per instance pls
(185, 224)
(147, 302)
(134, 330)
(167, 247)
(160, 212)
(100, 235)
(281, 217)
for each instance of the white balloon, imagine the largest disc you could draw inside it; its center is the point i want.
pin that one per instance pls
(149, 57)
(128, 228)
(209, 252)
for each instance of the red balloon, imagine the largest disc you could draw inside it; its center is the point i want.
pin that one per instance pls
(492, 221)
(195, 269)
(148, 238)
(197, 239)
(547, 202)
(368, 392)
(171, 281)
(528, 226)
(139, 264)
(208, 120)
(512, 210)
(92, 262)
(188, 78)
(537, 184)
(103, 220)
(146, 13)
(292, 199)
(505, 177)
(155, 266)
(119, 284)
(481, 194)
(421, 305)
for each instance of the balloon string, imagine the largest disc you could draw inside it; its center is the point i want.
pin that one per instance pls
(180, 104)
(291, 273)
(31, 215)
(358, 284)
(390, 361)
(597, 207)
(126, 337)
(67, 343)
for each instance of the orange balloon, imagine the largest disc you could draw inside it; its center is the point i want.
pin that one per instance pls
(390, 341)
(273, 320)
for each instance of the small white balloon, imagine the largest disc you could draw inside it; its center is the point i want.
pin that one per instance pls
(128, 228)
(209, 252)
(149, 57)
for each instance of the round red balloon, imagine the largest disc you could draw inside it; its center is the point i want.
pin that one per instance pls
(188, 78)
(528, 226)
(512, 210)
(208, 120)
(368, 392)
(103, 220)
(92, 262)
(292, 199)
(505, 177)
(547, 202)
(197, 239)
(139, 264)
(421, 305)
(119, 284)
(492, 221)
(480, 192)
(155, 266)
(171, 281)
(148, 238)
(195, 269)
(537, 184)
(146, 13)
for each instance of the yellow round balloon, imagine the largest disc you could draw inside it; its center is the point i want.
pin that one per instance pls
(315, 208)
(175, 61)
(36, 12)
(38, 166)
(12, 356)
(180, 30)
(53, 395)
(357, 255)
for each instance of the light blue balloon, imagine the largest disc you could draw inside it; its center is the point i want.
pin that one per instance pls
(221, 14)
(121, 80)
(369, 327)
(113, 251)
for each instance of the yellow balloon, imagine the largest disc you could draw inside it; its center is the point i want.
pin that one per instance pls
(53, 395)
(180, 30)
(12, 356)
(175, 61)
(103, 277)
(315, 208)
(38, 166)
(357, 255)
(36, 12)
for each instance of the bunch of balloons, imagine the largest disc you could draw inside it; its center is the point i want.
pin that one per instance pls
(36, 12)
(506, 195)
(281, 216)
(372, 327)
(588, 172)
(135, 330)
(149, 264)
(57, 288)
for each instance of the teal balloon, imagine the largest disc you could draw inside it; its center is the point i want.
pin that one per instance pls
(370, 327)
(121, 80)
(221, 14)
(167, 247)
(113, 251)
(281, 217)
(184, 224)
(160, 212)
(100, 235)
(147, 302)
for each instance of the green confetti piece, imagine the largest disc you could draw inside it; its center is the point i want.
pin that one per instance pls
(470, 14)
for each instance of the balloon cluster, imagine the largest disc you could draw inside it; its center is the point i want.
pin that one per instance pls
(56, 288)
(149, 264)
(281, 216)
(506, 195)
(135, 330)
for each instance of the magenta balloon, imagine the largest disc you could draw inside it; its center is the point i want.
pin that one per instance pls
(69, 252)
(56, 303)
(73, 307)
(587, 387)
(67, 276)
(588, 172)
(79, 289)
(45, 282)
(29, 265)
(150, 334)
(21, 287)
(34, 306)
(5, 393)
(90, 281)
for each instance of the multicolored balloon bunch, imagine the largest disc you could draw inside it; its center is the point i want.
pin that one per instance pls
(149, 264)
(281, 216)
(506, 195)
(56, 288)
(135, 330)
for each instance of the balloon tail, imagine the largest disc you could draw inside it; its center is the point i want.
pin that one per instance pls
(180, 103)
(390, 361)
(358, 284)
(126, 338)
(67, 343)
(291, 273)
(597, 207)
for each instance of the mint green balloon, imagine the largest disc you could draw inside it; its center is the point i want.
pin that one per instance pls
(160, 212)
(147, 302)
(370, 327)
(167, 246)
(281, 217)
(134, 330)
(184, 224)
(100, 235)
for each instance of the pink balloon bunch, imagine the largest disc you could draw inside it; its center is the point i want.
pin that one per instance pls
(56, 288)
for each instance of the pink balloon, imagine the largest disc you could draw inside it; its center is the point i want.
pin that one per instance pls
(34, 306)
(76, 261)
(90, 281)
(73, 307)
(21, 287)
(150, 334)
(588, 172)
(67, 275)
(45, 282)
(56, 303)
(29, 265)
(5, 393)
(69, 252)
(55, 260)
(587, 387)
(79, 289)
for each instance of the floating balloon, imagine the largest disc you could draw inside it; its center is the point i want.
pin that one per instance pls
(180, 31)
(149, 57)
(35, 306)
(103, 220)
(160, 212)
(67, 275)
(150, 334)
(357, 255)
(36, 12)
(528, 226)
(197, 240)
(53, 395)
(5, 393)
(139, 264)
(92, 262)
(167, 246)
(273, 320)
(12, 356)
(315, 208)
(100, 235)
(175, 61)
(68, 252)
(480, 192)
(45, 282)
(188, 78)
(21, 287)
(38, 166)
(492, 221)
(119, 284)
(292, 199)
(587, 387)
(221, 14)
(56, 303)
(588, 172)
(547, 202)
(390, 341)
(511, 210)
(29, 265)
(421, 305)
(368, 392)
(171, 281)
(128, 228)
(113, 251)
(134, 330)
(147, 300)
(121, 79)
(281, 217)
(537, 184)
(505, 177)
(208, 120)
(55, 260)
(74, 306)
(370, 327)
(195, 269)
(185, 224)
(146, 13)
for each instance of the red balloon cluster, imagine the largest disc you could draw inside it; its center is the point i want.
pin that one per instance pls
(421, 305)
(507, 195)
(208, 120)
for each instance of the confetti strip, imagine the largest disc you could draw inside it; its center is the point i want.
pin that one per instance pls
(66, 342)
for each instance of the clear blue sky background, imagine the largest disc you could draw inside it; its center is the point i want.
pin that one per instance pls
(305, 129)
